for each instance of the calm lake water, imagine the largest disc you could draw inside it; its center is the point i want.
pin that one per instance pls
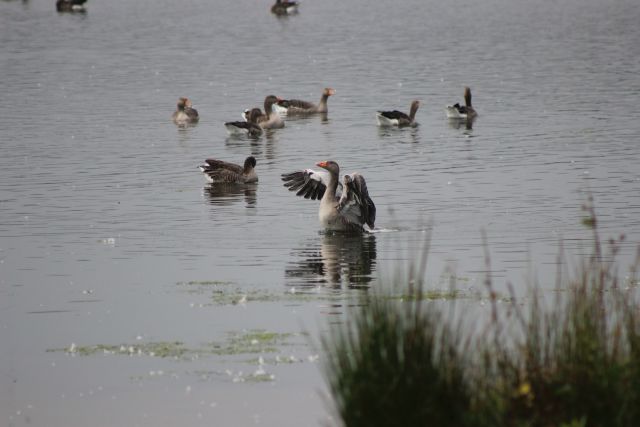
(110, 236)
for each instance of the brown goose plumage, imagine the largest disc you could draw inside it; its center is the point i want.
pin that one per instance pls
(219, 171)
(466, 111)
(297, 107)
(185, 113)
(398, 118)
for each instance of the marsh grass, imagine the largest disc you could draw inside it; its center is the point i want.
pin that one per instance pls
(573, 361)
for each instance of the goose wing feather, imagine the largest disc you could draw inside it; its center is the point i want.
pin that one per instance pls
(298, 104)
(355, 205)
(307, 183)
(395, 114)
(225, 175)
(192, 113)
(238, 124)
(215, 165)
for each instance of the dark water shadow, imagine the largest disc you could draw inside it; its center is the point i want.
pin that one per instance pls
(336, 260)
(228, 194)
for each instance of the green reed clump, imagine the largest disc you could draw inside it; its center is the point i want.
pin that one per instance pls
(573, 362)
(577, 361)
(395, 365)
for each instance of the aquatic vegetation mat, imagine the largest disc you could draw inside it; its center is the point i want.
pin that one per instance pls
(227, 293)
(237, 343)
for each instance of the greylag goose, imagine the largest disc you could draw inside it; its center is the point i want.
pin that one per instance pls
(344, 206)
(218, 171)
(248, 127)
(296, 106)
(270, 119)
(466, 111)
(284, 7)
(70, 5)
(398, 118)
(185, 113)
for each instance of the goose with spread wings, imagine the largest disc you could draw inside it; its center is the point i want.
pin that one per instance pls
(344, 206)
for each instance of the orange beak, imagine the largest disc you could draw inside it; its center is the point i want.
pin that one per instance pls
(322, 164)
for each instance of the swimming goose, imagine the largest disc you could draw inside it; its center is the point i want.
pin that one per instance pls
(458, 111)
(284, 7)
(218, 171)
(298, 107)
(248, 127)
(398, 118)
(270, 120)
(344, 206)
(185, 113)
(70, 5)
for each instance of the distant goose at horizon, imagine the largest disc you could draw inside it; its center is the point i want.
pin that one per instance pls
(297, 107)
(284, 7)
(344, 206)
(70, 5)
(398, 118)
(219, 171)
(466, 111)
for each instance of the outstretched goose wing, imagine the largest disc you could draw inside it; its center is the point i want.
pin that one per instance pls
(307, 183)
(355, 205)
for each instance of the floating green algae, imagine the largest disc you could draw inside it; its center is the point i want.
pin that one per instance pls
(205, 283)
(227, 293)
(253, 341)
(237, 343)
(161, 349)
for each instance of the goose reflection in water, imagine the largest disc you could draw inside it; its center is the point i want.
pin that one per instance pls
(338, 259)
(413, 133)
(228, 194)
(465, 123)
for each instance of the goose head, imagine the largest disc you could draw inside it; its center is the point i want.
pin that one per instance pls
(328, 91)
(182, 103)
(330, 166)
(249, 163)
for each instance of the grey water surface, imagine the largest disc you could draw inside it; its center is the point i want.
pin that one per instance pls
(109, 234)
